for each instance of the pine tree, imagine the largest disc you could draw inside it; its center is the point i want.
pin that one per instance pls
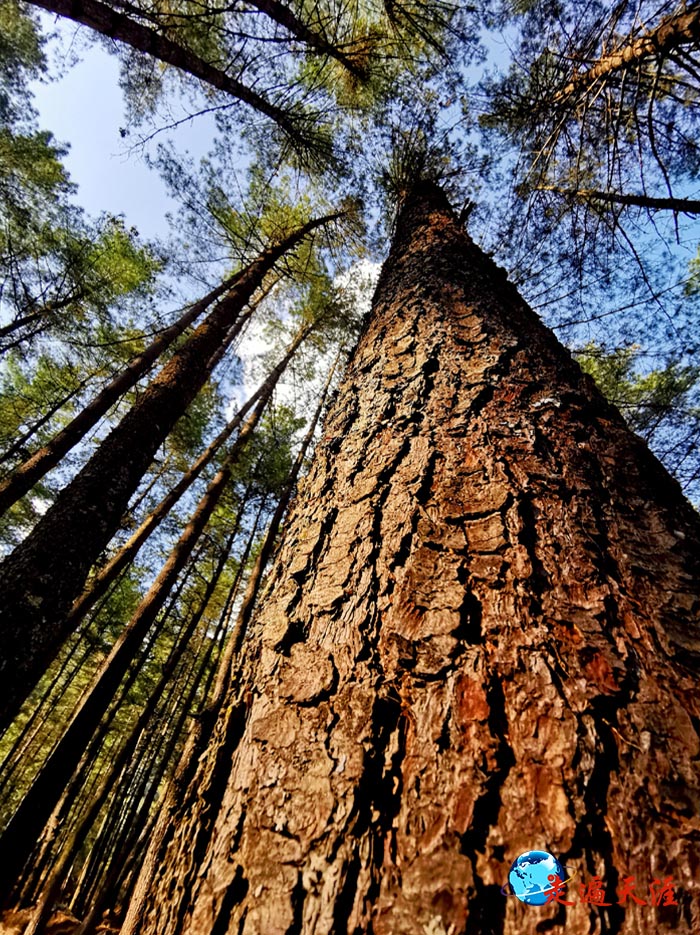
(480, 636)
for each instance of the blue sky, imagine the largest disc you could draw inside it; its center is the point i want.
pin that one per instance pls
(85, 109)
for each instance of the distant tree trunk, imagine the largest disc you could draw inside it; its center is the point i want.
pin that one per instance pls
(126, 554)
(628, 199)
(76, 654)
(44, 811)
(480, 636)
(43, 575)
(17, 447)
(194, 744)
(114, 25)
(140, 819)
(119, 760)
(23, 477)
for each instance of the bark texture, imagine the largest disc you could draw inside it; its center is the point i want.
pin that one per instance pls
(480, 636)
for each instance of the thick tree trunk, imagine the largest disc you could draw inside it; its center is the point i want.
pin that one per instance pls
(39, 581)
(480, 637)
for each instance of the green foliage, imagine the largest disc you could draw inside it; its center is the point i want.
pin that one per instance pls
(56, 266)
(662, 405)
(26, 392)
(21, 60)
(643, 398)
(270, 455)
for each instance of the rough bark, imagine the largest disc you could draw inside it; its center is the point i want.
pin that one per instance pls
(39, 581)
(480, 636)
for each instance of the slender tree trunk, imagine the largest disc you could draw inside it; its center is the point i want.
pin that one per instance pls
(120, 760)
(44, 810)
(114, 567)
(23, 477)
(480, 637)
(44, 574)
(108, 22)
(194, 744)
(17, 447)
(627, 199)
(142, 820)
(19, 753)
(286, 17)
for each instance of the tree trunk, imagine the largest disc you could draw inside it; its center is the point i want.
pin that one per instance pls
(126, 554)
(39, 581)
(17, 448)
(628, 199)
(480, 637)
(673, 32)
(120, 758)
(23, 477)
(108, 22)
(286, 17)
(76, 655)
(182, 774)
(142, 816)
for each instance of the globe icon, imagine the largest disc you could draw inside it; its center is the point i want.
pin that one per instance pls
(529, 876)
